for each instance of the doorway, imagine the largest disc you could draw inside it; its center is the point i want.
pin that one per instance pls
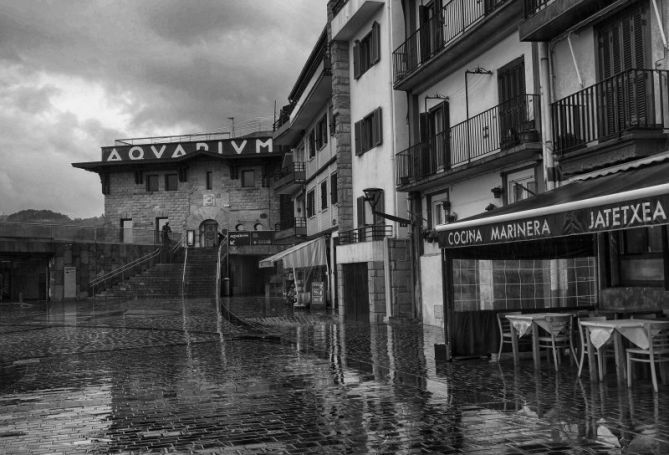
(356, 292)
(208, 233)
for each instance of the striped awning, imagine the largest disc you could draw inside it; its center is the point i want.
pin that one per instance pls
(305, 254)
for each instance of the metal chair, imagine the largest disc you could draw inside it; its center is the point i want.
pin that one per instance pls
(599, 354)
(657, 352)
(504, 331)
(559, 336)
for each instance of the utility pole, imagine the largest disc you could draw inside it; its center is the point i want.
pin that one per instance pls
(232, 120)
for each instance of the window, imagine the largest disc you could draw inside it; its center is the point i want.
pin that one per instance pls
(440, 209)
(210, 178)
(640, 258)
(311, 204)
(321, 133)
(367, 51)
(333, 188)
(324, 194)
(152, 182)
(368, 132)
(171, 182)
(248, 178)
(520, 185)
(312, 143)
(126, 230)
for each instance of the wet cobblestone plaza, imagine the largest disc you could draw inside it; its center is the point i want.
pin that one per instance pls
(179, 377)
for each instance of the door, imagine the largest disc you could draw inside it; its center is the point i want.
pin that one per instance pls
(431, 38)
(512, 110)
(126, 231)
(208, 233)
(356, 292)
(439, 126)
(160, 222)
(622, 47)
(70, 282)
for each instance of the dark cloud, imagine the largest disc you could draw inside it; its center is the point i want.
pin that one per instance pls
(166, 65)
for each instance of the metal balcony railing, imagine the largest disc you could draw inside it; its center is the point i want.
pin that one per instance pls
(337, 5)
(297, 222)
(532, 7)
(367, 233)
(456, 17)
(636, 99)
(501, 127)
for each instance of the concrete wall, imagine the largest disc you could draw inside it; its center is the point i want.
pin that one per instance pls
(432, 291)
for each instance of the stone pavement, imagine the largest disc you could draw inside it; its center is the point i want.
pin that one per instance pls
(178, 377)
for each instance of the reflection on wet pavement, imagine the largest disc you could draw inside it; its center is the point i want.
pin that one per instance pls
(177, 377)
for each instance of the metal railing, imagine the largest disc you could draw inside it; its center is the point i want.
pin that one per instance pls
(337, 5)
(636, 99)
(532, 7)
(501, 127)
(297, 222)
(104, 281)
(456, 17)
(297, 169)
(367, 233)
(81, 234)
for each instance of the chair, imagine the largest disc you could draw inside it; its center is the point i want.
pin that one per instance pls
(657, 352)
(559, 337)
(504, 331)
(599, 354)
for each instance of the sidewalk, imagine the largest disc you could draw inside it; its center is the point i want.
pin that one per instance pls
(176, 377)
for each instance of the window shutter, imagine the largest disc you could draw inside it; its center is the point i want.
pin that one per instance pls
(424, 127)
(361, 211)
(380, 208)
(358, 133)
(376, 43)
(356, 59)
(333, 189)
(377, 127)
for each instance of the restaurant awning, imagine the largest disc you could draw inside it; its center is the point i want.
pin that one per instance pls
(305, 254)
(562, 222)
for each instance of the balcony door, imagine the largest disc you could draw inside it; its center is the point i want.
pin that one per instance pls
(512, 99)
(431, 38)
(622, 47)
(438, 126)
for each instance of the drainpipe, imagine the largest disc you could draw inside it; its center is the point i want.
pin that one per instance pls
(551, 178)
(386, 250)
(660, 24)
(550, 172)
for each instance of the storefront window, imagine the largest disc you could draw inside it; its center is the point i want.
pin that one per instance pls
(640, 257)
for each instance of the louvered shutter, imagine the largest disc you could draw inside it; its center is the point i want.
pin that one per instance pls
(358, 138)
(380, 207)
(361, 211)
(377, 128)
(356, 59)
(376, 43)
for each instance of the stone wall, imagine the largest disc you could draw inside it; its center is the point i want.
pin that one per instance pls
(227, 202)
(399, 262)
(90, 260)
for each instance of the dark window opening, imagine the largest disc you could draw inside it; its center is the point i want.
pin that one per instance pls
(152, 183)
(311, 202)
(324, 194)
(333, 188)
(171, 182)
(210, 178)
(248, 178)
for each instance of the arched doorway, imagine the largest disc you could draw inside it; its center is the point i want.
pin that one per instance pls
(208, 233)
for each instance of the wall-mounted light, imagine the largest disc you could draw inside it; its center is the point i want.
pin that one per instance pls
(497, 192)
(490, 207)
(372, 195)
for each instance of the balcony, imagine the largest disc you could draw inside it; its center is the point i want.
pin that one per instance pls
(545, 19)
(503, 130)
(632, 103)
(290, 178)
(350, 15)
(369, 233)
(435, 41)
(292, 227)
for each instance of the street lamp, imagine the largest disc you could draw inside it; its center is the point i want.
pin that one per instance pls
(372, 195)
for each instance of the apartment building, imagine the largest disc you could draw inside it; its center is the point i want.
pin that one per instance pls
(374, 263)
(571, 211)
(310, 188)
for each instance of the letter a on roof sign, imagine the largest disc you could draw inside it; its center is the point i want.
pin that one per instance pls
(179, 151)
(114, 156)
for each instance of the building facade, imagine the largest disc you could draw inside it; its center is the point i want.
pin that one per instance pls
(200, 185)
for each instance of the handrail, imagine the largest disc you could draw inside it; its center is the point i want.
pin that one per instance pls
(95, 282)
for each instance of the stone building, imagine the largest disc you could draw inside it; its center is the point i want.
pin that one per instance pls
(202, 186)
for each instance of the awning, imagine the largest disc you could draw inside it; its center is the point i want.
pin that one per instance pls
(305, 254)
(630, 198)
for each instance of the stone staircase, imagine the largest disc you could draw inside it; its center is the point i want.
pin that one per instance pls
(201, 272)
(164, 280)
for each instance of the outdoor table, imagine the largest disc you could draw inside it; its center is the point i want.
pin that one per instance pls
(521, 324)
(599, 332)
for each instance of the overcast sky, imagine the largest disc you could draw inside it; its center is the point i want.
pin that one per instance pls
(77, 74)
